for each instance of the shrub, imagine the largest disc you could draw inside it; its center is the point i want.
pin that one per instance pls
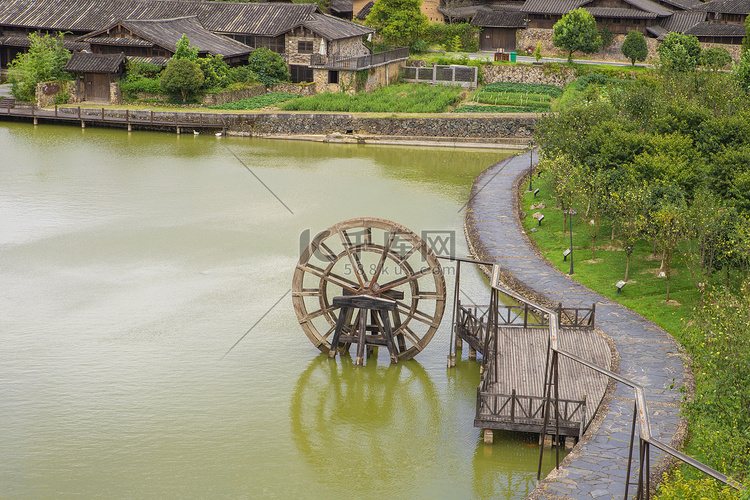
(43, 62)
(241, 74)
(444, 34)
(215, 72)
(131, 88)
(268, 66)
(634, 47)
(715, 58)
(182, 76)
(256, 102)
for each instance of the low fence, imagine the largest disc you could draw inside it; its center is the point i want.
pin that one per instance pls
(466, 76)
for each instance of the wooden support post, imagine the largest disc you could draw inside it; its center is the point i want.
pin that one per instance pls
(55, 110)
(489, 436)
(459, 343)
(178, 130)
(36, 121)
(152, 117)
(83, 124)
(360, 360)
(472, 354)
(102, 114)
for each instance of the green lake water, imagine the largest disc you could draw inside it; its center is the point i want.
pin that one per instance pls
(130, 265)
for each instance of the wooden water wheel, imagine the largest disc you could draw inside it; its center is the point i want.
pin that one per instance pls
(376, 259)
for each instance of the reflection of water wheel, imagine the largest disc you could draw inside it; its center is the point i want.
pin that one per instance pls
(375, 258)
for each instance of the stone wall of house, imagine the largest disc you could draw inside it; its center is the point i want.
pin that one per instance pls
(556, 75)
(115, 96)
(529, 38)
(321, 77)
(734, 50)
(348, 47)
(484, 127)
(226, 96)
(383, 75)
(301, 34)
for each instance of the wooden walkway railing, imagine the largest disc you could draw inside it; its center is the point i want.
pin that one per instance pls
(119, 117)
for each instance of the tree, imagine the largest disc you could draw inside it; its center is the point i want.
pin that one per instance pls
(741, 70)
(185, 51)
(182, 76)
(680, 53)
(268, 66)
(634, 47)
(715, 58)
(215, 72)
(398, 21)
(43, 62)
(576, 31)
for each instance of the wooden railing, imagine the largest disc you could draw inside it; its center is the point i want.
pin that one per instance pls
(359, 62)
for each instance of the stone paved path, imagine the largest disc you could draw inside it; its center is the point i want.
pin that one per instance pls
(648, 354)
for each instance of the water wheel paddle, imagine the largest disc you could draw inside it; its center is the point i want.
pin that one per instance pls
(375, 259)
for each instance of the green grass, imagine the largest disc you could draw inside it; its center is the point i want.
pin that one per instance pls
(403, 98)
(256, 102)
(644, 293)
(500, 109)
(523, 88)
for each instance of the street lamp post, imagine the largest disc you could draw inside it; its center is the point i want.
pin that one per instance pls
(531, 163)
(571, 213)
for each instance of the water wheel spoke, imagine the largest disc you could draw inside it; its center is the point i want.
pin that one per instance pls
(329, 332)
(427, 296)
(307, 292)
(320, 312)
(327, 252)
(416, 314)
(406, 279)
(353, 257)
(411, 336)
(383, 256)
(330, 277)
(408, 254)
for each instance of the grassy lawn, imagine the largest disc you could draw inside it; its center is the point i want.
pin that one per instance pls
(644, 293)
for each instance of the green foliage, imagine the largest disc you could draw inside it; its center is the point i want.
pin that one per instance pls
(241, 74)
(679, 53)
(715, 58)
(746, 41)
(136, 70)
(499, 109)
(256, 102)
(538, 52)
(445, 34)
(215, 72)
(576, 32)
(268, 66)
(634, 47)
(183, 77)
(454, 44)
(131, 88)
(398, 21)
(404, 98)
(677, 487)
(185, 51)
(43, 62)
(741, 70)
(418, 46)
(606, 36)
(530, 88)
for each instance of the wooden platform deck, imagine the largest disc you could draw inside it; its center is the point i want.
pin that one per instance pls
(515, 399)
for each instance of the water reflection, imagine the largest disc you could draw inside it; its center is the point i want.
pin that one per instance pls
(375, 423)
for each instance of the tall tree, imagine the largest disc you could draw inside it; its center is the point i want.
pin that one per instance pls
(182, 76)
(576, 32)
(43, 62)
(680, 53)
(185, 51)
(398, 21)
(634, 47)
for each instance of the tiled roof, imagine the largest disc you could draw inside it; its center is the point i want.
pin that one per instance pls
(726, 6)
(81, 16)
(86, 62)
(342, 6)
(557, 7)
(110, 40)
(649, 6)
(716, 29)
(683, 4)
(23, 41)
(365, 11)
(167, 32)
(334, 28)
(600, 12)
(681, 21)
(161, 61)
(657, 31)
(492, 19)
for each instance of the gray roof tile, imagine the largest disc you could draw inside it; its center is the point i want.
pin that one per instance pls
(86, 62)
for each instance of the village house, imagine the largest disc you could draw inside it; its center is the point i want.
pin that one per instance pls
(297, 32)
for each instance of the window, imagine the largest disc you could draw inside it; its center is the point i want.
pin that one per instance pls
(305, 46)
(300, 74)
(274, 44)
(333, 77)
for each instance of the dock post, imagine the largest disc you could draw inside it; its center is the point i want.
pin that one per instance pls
(489, 436)
(83, 124)
(36, 121)
(472, 354)
(55, 110)
(178, 130)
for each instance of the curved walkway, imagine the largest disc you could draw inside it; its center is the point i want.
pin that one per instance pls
(649, 356)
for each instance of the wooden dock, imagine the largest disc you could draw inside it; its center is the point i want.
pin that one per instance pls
(514, 345)
(123, 118)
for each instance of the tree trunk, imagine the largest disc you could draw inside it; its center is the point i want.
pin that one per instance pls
(627, 267)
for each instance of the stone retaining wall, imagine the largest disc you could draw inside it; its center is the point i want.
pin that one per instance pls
(529, 38)
(330, 123)
(558, 75)
(226, 96)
